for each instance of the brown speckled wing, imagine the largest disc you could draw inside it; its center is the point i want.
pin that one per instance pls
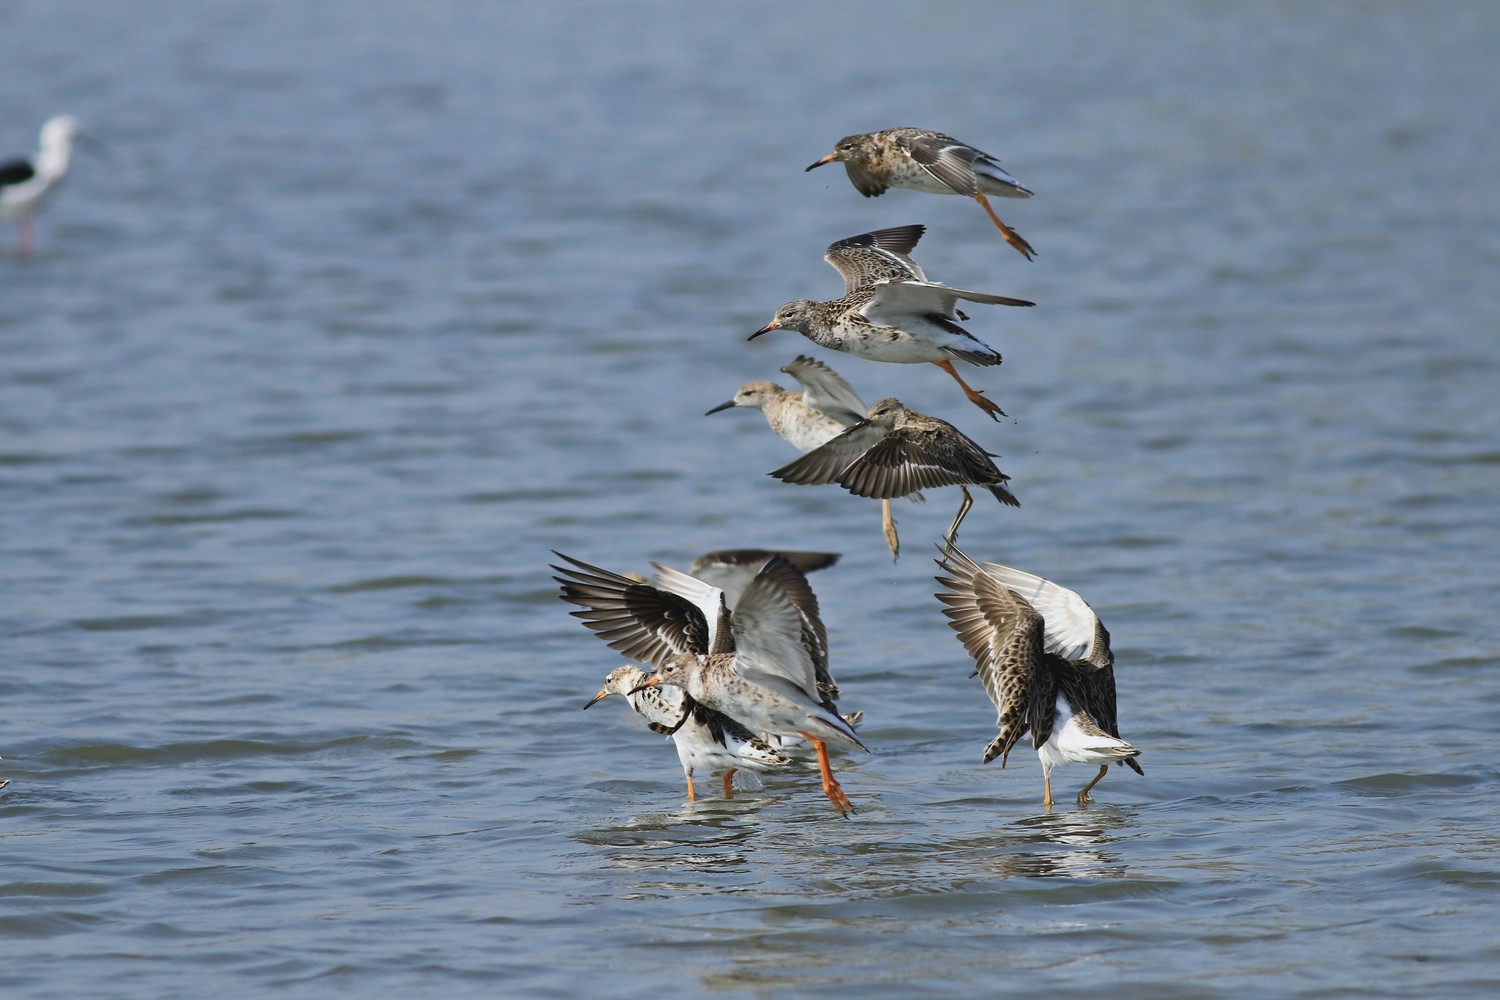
(949, 160)
(634, 619)
(881, 255)
(907, 460)
(826, 463)
(1003, 635)
(866, 183)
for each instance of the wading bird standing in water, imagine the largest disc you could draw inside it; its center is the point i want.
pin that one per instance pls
(706, 740)
(755, 664)
(26, 184)
(1043, 656)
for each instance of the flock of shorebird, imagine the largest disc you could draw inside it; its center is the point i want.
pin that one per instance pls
(737, 648)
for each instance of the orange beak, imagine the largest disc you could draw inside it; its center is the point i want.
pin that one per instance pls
(830, 158)
(653, 682)
(773, 325)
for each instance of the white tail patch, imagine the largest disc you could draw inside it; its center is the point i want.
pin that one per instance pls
(1074, 740)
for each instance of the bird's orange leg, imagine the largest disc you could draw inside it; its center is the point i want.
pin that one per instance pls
(1083, 795)
(1047, 791)
(729, 782)
(976, 397)
(1012, 237)
(692, 792)
(830, 786)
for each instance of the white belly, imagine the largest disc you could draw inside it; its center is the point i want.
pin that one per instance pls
(902, 339)
(805, 430)
(1072, 743)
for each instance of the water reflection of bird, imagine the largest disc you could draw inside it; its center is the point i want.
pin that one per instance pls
(812, 417)
(1044, 659)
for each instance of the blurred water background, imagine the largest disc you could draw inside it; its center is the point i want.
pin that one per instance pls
(369, 305)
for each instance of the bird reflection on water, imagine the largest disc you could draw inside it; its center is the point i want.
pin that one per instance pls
(1070, 844)
(708, 837)
(721, 839)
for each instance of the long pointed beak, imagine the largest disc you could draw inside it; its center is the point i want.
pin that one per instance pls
(827, 159)
(84, 139)
(721, 406)
(601, 696)
(773, 325)
(653, 682)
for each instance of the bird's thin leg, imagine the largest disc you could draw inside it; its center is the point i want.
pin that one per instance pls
(692, 792)
(830, 786)
(1012, 237)
(26, 235)
(976, 397)
(1083, 795)
(888, 527)
(729, 782)
(962, 511)
(1047, 790)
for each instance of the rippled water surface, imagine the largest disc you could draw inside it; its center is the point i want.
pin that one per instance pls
(365, 307)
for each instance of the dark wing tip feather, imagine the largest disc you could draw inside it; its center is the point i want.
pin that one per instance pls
(1004, 495)
(16, 172)
(896, 239)
(807, 562)
(632, 618)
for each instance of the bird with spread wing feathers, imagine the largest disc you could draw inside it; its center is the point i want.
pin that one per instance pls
(808, 419)
(923, 160)
(894, 452)
(756, 664)
(731, 570)
(890, 311)
(711, 572)
(1043, 656)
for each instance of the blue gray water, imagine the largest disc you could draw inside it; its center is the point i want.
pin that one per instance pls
(369, 305)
